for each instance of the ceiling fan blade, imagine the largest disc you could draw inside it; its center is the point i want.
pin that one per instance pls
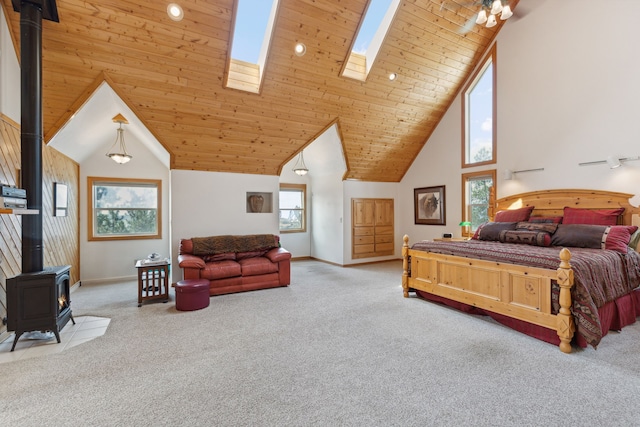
(468, 26)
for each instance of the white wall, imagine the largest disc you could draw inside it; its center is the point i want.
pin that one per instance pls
(569, 96)
(567, 93)
(213, 203)
(361, 189)
(327, 218)
(9, 74)
(437, 164)
(114, 260)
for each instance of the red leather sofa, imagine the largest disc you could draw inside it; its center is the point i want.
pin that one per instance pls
(236, 263)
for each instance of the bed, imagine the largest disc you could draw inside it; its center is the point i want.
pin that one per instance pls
(559, 293)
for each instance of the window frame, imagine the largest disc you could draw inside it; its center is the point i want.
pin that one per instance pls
(466, 177)
(92, 180)
(490, 58)
(294, 187)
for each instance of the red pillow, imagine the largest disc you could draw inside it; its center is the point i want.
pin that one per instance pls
(514, 215)
(619, 237)
(591, 217)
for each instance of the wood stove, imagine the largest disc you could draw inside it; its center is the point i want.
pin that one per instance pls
(39, 301)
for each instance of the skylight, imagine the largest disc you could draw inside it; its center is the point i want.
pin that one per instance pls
(370, 24)
(252, 18)
(371, 34)
(250, 43)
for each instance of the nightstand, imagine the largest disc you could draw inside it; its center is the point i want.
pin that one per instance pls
(153, 280)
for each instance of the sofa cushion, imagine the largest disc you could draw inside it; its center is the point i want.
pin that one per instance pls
(250, 254)
(219, 257)
(221, 270)
(257, 266)
(186, 246)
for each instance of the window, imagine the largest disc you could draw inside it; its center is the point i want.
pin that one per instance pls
(292, 210)
(475, 193)
(124, 209)
(253, 24)
(371, 33)
(479, 115)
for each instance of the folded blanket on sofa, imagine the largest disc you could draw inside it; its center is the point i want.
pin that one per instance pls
(223, 244)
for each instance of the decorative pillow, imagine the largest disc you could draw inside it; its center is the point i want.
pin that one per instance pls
(593, 217)
(535, 238)
(219, 257)
(547, 227)
(616, 237)
(551, 219)
(490, 231)
(514, 215)
(620, 237)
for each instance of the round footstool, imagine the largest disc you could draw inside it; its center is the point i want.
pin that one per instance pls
(192, 294)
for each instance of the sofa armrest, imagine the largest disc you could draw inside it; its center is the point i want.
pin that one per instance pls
(278, 254)
(190, 261)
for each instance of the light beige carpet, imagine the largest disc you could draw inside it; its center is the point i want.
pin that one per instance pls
(339, 347)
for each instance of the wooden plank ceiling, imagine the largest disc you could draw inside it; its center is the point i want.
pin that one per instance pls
(171, 75)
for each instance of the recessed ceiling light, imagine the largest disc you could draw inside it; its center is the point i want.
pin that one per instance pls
(393, 76)
(175, 12)
(300, 49)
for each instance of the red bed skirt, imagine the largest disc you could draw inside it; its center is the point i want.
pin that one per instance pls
(613, 317)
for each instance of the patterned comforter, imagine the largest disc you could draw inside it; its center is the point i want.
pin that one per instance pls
(600, 275)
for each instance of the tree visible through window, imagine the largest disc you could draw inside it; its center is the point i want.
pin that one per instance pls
(475, 190)
(292, 210)
(479, 116)
(124, 209)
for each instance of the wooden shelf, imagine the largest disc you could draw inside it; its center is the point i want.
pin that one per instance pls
(19, 211)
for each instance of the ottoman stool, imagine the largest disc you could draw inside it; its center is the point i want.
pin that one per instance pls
(192, 294)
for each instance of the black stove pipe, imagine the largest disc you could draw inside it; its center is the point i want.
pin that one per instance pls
(31, 135)
(31, 138)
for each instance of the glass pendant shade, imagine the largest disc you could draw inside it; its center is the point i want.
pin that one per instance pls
(118, 152)
(496, 7)
(491, 21)
(506, 13)
(300, 168)
(482, 17)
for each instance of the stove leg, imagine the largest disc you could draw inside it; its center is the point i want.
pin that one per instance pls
(15, 341)
(57, 335)
(72, 321)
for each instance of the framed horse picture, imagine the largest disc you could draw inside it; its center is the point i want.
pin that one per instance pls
(429, 204)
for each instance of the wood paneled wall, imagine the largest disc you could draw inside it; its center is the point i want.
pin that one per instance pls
(60, 234)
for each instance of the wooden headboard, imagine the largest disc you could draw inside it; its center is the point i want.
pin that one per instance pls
(552, 202)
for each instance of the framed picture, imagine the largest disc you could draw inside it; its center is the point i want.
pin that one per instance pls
(429, 203)
(60, 199)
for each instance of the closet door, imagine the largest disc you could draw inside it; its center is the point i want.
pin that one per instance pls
(384, 227)
(363, 222)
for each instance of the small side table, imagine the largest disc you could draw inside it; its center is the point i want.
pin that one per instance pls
(153, 280)
(451, 239)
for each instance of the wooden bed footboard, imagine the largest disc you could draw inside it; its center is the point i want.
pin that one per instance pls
(516, 291)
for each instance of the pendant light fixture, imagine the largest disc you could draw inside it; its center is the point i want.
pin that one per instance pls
(300, 168)
(118, 152)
